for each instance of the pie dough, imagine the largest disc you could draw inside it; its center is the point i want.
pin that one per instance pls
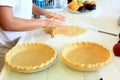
(67, 30)
(30, 57)
(85, 56)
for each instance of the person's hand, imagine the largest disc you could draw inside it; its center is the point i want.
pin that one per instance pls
(55, 16)
(51, 22)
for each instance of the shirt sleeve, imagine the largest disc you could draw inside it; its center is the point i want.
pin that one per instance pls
(7, 3)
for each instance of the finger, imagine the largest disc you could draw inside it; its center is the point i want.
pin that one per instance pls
(60, 24)
(60, 17)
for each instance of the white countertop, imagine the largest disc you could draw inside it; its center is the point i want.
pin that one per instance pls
(104, 18)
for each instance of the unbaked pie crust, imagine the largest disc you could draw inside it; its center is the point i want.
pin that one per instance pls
(30, 57)
(68, 30)
(85, 56)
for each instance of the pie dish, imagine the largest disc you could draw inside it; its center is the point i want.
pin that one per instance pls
(30, 57)
(85, 56)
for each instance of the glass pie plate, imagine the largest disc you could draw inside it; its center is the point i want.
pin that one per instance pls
(30, 57)
(85, 56)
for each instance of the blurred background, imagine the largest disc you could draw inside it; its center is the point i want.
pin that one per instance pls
(50, 4)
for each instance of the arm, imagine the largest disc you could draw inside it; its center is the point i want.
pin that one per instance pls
(10, 23)
(39, 11)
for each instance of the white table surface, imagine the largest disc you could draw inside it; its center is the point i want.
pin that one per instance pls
(104, 18)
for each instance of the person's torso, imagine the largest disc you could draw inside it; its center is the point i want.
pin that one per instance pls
(21, 9)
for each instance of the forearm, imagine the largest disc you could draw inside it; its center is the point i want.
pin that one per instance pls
(18, 24)
(11, 23)
(39, 11)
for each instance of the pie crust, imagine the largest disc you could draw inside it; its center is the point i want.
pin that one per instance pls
(30, 57)
(69, 30)
(85, 56)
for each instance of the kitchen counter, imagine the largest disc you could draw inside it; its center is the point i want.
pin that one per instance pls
(104, 18)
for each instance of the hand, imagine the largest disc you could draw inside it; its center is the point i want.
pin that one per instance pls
(51, 22)
(55, 16)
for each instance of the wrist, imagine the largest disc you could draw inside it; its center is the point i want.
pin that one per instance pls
(49, 14)
(40, 23)
(44, 22)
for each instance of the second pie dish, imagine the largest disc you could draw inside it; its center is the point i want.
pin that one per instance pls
(30, 57)
(85, 56)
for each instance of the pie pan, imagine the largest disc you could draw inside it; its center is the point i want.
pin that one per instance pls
(30, 57)
(85, 56)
